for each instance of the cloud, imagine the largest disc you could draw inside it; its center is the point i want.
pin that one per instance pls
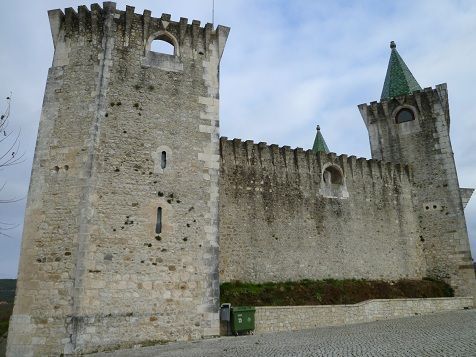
(287, 66)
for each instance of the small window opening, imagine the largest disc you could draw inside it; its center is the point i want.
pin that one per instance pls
(332, 176)
(163, 160)
(162, 46)
(333, 184)
(158, 225)
(404, 115)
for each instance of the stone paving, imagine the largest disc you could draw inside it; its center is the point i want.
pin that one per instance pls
(443, 334)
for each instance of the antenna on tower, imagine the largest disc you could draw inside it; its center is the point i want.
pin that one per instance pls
(213, 12)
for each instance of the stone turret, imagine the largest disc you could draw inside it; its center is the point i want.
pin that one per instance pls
(412, 126)
(120, 243)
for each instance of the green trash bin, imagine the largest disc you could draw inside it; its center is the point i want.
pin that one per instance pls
(242, 319)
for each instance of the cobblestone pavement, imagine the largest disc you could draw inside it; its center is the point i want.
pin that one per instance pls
(444, 334)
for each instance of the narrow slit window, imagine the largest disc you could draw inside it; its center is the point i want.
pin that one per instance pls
(158, 225)
(163, 160)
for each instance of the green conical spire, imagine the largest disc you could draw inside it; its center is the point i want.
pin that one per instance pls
(319, 143)
(399, 80)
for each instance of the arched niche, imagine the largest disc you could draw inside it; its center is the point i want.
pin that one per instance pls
(333, 182)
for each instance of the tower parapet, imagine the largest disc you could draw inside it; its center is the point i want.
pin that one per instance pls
(136, 31)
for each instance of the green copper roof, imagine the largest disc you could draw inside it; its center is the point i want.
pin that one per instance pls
(319, 143)
(399, 80)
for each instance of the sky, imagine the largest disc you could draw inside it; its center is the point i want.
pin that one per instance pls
(288, 65)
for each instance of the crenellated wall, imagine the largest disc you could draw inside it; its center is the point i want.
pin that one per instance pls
(134, 31)
(278, 222)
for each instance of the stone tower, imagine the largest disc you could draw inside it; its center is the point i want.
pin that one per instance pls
(412, 125)
(120, 240)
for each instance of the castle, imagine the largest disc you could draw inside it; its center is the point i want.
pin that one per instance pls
(137, 209)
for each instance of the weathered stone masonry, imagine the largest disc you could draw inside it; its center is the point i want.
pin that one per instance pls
(425, 144)
(289, 318)
(136, 207)
(276, 224)
(95, 272)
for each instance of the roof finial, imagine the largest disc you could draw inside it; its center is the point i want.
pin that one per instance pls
(398, 80)
(319, 142)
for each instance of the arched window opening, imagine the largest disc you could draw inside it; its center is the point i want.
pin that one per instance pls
(163, 160)
(158, 224)
(162, 45)
(404, 115)
(333, 183)
(332, 176)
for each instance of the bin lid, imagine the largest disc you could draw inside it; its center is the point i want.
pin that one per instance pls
(243, 308)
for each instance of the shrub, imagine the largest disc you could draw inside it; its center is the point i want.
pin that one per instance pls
(329, 291)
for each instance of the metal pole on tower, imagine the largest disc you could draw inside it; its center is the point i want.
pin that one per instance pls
(213, 12)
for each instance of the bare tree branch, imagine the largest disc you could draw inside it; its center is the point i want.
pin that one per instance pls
(9, 155)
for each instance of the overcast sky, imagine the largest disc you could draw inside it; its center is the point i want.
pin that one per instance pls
(287, 66)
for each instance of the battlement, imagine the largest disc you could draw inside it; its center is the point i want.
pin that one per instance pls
(272, 158)
(420, 100)
(135, 30)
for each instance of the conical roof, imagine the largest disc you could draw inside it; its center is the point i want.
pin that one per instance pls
(319, 143)
(399, 80)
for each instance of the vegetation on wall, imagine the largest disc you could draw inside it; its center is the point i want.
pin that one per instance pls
(7, 295)
(329, 291)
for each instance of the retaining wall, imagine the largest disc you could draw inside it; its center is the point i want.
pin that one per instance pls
(288, 318)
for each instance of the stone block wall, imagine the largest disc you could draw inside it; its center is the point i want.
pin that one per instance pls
(124, 132)
(279, 221)
(289, 318)
(425, 144)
